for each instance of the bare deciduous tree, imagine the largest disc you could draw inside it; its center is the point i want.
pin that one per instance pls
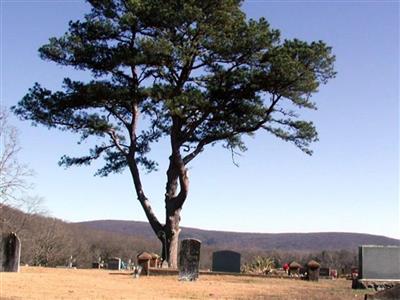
(14, 180)
(17, 222)
(13, 174)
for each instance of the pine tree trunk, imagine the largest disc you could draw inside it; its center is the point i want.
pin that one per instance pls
(176, 173)
(168, 234)
(171, 238)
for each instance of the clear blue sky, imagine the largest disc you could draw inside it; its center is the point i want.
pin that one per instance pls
(350, 184)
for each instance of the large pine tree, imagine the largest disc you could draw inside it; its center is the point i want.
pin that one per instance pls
(198, 70)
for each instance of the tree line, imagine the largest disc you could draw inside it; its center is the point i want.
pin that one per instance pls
(50, 242)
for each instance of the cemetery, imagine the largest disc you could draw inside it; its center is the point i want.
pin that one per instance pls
(170, 97)
(378, 275)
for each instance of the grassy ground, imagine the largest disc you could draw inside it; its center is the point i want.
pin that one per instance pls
(48, 283)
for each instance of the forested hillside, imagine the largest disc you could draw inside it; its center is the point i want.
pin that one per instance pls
(318, 241)
(48, 241)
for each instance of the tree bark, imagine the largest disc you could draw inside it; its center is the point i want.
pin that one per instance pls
(177, 175)
(168, 234)
(171, 238)
(173, 205)
(154, 223)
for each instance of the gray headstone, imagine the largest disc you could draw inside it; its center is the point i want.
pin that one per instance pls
(114, 263)
(136, 271)
(70, 262)
(379, 262)
(226, 261)
(324, 272)
(189, 259)
(10, 248)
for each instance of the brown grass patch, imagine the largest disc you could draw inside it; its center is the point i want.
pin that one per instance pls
(48, 283)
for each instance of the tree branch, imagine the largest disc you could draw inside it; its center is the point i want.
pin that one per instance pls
(210, 139)
(116, 115)
(115, 139)
(183, 185)
(144, 201)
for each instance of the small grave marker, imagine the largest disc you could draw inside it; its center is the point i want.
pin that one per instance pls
(143, 260)
(294, 269)
(114, 263)
(324, 272)
(313, 270)
(155, 260)
(136, 271)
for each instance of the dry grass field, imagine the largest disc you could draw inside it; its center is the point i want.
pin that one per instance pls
(47, 283)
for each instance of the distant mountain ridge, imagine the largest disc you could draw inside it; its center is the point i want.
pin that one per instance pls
(255, 241)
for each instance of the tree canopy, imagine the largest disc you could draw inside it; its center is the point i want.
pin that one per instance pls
(198, 72)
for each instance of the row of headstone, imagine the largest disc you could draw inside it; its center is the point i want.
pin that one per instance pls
(311, 271)
(189, 260)
(10, 253)
(375, 262)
